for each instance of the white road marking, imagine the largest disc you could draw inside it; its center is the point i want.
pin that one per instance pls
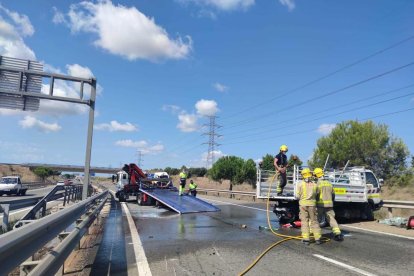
(228, 203)
(140, 258)
(378, 232)
(349, 267)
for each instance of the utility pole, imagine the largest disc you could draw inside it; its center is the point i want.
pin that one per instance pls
(139, 158)
(212, 137)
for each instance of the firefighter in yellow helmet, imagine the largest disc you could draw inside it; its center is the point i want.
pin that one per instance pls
(280, 162)
(306, 193)
(326, 197)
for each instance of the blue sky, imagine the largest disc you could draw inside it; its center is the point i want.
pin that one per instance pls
(163, 66)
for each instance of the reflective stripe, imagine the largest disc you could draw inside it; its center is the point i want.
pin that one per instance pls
(373, 196)
(317, 236)
(336, 230)
(303, 201)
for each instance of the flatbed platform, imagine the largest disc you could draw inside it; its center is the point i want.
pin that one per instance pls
(181, 204)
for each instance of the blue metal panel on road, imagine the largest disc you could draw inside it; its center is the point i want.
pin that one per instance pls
(181, 204)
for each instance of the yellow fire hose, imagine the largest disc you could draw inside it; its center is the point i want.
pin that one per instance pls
(286, 237)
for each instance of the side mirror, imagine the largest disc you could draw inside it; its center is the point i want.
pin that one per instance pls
(381, 182)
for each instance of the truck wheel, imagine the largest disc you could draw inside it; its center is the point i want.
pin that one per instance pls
(139, 199)
(368, 212)
(323, 222)
(23, 192)
(121, 197)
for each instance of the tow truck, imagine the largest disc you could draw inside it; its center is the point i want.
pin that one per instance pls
(357, 193)
(132, 182)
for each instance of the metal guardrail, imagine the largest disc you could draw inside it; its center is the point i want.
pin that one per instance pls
(68, 192)
(389, 203)
(18, 245)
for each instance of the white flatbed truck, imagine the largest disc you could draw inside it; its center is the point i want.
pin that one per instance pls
(357, 193)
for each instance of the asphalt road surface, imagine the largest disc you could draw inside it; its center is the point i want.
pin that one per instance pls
(218, 244)
(29, 194)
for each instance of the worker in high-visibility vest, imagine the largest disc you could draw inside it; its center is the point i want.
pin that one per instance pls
(306, 193)
(183, 179)
(280, 162)
(325, 203)
(192, 188)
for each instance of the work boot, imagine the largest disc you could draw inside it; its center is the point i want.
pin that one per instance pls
(279, 194)
(339, 237)
(318, 242)
(306, 242)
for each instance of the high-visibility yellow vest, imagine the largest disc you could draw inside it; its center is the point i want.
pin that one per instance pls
(183, 175)
(306, 193)
(325, 191)
(192, 186)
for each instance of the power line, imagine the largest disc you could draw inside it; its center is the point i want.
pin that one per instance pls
(279, 123)
(312, 130)
(290, 91)
(326, 94)
(342, 112)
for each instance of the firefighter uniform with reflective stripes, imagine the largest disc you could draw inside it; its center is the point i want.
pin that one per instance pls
(307, 194)
(325, 204)
(183, 179)
(280, 163)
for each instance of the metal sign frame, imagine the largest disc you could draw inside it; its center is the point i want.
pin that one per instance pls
(20, 91)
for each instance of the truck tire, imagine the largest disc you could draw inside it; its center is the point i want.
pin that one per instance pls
(323, 222)
(23, 192)
(368, 212)
(121, 197)
(139, 199)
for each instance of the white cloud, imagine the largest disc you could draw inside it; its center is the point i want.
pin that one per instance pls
(174, 109)
(187, 122)
(20, 152)
(206, 107)
(32, 122)
(141, 145)
(13, 27)
(124, 31)
(21, 22)
(290, 4)
(225, 5)
(115, 126)
(215, 153)
(325, 129)
(221, 87)
(58, 17)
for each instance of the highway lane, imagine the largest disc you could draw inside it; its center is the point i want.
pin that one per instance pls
(217, 244)
(29, 194)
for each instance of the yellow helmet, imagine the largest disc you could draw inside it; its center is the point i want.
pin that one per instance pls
(306, 173)
(283, 148)
(318, 172)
